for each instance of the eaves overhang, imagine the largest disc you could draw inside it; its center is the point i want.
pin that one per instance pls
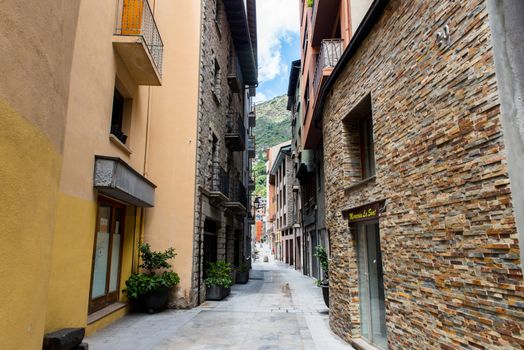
(237, 17)
(115, 178)
(284, 150)
(292, 85)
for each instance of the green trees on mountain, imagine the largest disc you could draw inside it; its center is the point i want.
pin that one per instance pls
(273, 127)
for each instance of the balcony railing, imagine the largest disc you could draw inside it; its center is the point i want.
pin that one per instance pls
(234, 74)
(252, 117)
(239, 193)
(330, 52)
(220, 181)
(251, 147)
(235, 133)
(134, 18)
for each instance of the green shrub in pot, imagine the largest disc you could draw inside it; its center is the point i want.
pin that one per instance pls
(151, 282)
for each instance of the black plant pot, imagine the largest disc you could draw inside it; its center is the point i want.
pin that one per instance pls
(217, 292)
(325, 293)
(152, 301)
(242, 277)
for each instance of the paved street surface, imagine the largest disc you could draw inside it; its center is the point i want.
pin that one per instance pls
(278, 309)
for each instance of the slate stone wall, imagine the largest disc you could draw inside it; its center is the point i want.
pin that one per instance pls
(449, 243)
(216, 100)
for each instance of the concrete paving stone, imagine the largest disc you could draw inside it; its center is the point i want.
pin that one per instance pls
(278, 309)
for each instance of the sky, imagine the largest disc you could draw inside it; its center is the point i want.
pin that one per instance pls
(278, 34)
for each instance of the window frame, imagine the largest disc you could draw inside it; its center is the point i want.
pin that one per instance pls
(359, 123)
(100, 302)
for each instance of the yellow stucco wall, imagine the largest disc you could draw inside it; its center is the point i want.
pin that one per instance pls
(29, 181)
(70, 280)
(64, 101)
(71, 263)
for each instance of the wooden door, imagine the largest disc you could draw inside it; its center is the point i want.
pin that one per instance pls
(132, 17)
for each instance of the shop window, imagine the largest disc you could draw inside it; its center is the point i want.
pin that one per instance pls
(105, 278)
(360, 144)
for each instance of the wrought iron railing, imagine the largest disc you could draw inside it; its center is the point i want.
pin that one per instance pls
(233, 67)
(220, 181)
(251, 146)
(330, 52)
(135, 18)
(235, 125)
(252, 116)
(238, 193)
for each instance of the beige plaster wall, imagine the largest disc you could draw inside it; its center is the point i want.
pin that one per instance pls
(359, 8)
(35, 60)
(95, 69)
(173, 139)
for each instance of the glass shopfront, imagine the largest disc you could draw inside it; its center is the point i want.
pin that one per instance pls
(371, 285)
(107, 255)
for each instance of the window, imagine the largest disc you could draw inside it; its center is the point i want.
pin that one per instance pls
(214, 164)
(359, 139)
(306, 100)
(216, 88)
(117, 118)
(367, 151)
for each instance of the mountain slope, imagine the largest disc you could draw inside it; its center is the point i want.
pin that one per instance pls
(273, 127)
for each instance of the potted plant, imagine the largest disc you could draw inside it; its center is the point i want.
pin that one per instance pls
(243, 273)
(218, 281)
(321, 254)
(149, 291)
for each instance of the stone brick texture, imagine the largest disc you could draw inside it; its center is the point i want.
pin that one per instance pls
(452, 274)
(216, 100)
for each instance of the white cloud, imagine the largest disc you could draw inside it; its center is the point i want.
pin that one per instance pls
(260, 97)
(277, 20)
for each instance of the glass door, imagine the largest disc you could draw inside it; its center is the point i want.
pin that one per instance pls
(107, 255)
(371, 285)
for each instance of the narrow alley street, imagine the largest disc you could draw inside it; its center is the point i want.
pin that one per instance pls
(278, 309)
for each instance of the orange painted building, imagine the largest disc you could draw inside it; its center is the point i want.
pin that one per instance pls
(259, 230)
(325, 31)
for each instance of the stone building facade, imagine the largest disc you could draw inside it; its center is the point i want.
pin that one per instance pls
(416, 164)
(282, 175)
(223, 166)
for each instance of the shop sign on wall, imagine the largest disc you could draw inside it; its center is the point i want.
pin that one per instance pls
(365, 212)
